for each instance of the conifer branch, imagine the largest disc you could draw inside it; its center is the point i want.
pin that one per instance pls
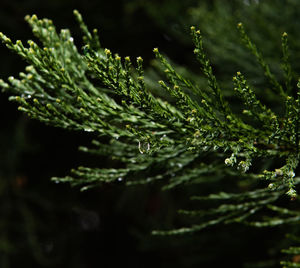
(253, 49)
(190, 137)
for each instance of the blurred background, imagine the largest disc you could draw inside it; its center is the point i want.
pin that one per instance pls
(43, 224)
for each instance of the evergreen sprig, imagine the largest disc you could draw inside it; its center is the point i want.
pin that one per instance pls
(193, 136)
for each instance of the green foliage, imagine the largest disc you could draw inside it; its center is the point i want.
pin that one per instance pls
(188, 134)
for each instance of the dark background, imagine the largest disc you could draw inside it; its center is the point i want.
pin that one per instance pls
(47, 225)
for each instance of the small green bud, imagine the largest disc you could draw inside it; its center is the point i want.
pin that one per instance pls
(284, 34)
(196, 51)
(240, 25)
(107, 52)
(29, 68)
(139, 59)
(197, 134)
(243, 166)
(127, 58)
(192, 28)
(155, 50)
(292, 193)
(31, 43)
(35, 101)
(4, 38)
(58, 100)
(34, 17)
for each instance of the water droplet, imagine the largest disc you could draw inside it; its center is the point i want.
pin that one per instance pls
(88, 129)
(144, 147)
(84, 188)
(291, 174)
(71, 39)
(179, 165)
(140, 148)
(120, 179)
(164, 136)
(271, 186)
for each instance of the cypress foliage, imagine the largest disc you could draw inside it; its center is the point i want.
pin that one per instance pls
(193, 132)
